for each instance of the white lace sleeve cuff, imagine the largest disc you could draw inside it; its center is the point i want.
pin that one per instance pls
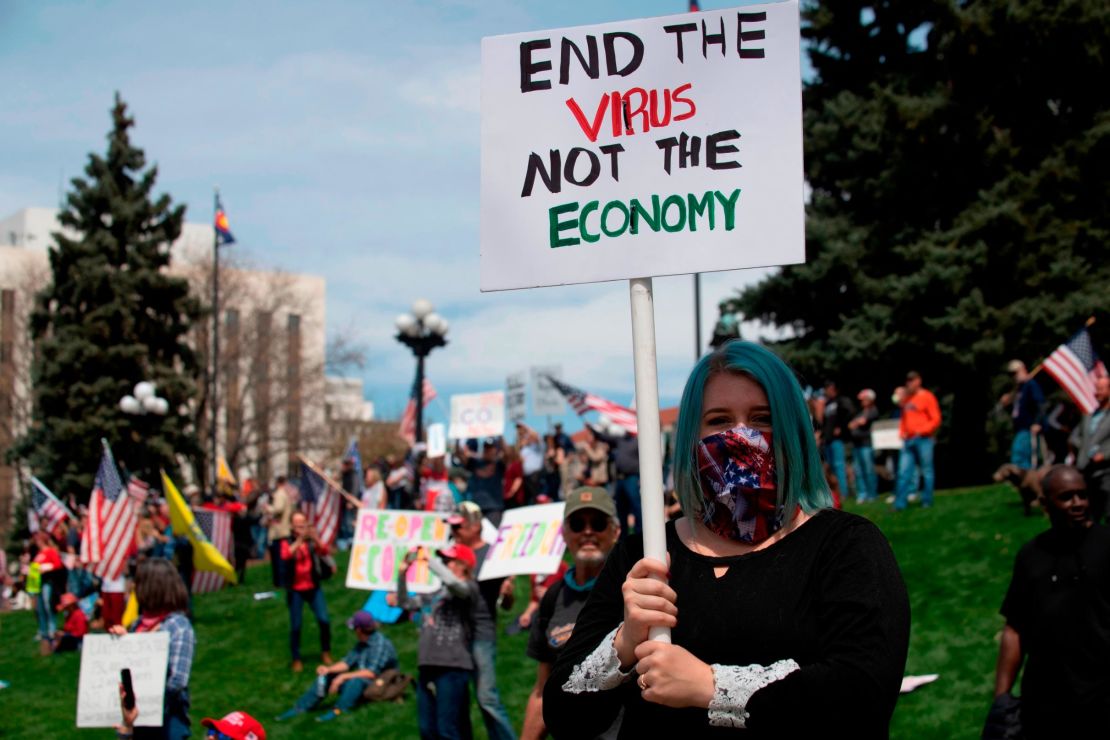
(600, 670)
(734, 686)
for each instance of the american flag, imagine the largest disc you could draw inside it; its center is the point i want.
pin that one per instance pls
(1076, 367)
(110, 534)
(581, 402)
(216, 526)
(49, 510)
(322, 504)
(354, 456)
(137, 490)
(408, 419)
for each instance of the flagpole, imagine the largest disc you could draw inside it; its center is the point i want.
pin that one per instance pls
(647, 424)
(215, 333)
(331, 482)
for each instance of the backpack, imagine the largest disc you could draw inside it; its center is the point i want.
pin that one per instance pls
(390, 686)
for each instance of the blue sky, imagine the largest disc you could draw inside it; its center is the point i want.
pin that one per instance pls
(344, 137)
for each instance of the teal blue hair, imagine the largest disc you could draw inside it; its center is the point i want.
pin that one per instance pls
(801, 478)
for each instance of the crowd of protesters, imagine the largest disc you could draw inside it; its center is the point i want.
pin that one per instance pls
(596, 473)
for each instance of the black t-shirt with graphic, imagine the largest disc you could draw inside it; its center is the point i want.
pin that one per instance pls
(555, 621)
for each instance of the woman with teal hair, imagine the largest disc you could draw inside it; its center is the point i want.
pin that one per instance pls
(787, 617)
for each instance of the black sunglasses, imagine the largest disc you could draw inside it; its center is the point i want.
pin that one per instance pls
(598, 522)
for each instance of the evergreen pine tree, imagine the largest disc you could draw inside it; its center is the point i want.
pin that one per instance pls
(959, 188)
(112, 316)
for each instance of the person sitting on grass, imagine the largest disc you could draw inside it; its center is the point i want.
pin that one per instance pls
(76, 626)
(349, 678)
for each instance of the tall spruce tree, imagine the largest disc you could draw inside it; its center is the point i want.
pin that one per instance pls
(111, 317)
(959, 211)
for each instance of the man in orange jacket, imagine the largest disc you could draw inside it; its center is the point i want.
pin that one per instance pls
(919, 423)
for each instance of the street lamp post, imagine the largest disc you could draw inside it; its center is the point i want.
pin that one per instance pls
(421, 331)
(143, 400)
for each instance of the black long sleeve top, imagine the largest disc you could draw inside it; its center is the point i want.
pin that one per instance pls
(829, 595)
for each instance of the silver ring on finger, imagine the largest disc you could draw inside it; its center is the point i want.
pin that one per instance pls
(642, 683)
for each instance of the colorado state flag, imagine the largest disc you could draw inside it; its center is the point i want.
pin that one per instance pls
(223, 229)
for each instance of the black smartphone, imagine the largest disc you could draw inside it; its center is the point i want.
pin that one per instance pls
(128, 689)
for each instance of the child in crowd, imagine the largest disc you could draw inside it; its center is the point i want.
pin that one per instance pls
(443, 652)
(75, 627)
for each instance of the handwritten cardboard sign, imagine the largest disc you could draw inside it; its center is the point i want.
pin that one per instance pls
(475, 415)
(516, 397)
(546, 398)
(102, 659)
(529, 540)
(382, 539)
(650, 147)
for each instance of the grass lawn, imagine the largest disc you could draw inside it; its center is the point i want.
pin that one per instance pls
(956, 559)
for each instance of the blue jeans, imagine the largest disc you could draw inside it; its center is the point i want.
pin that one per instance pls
(498, 726)
(1021, 451)
(175, 719)
(443, 703)
(627, 499)
(917, 452)
(867, 484)
(350, 693)
(834, 456)
(315, 601)
(43, 611)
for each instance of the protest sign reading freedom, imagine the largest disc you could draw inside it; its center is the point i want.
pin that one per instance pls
(102, 659)
(475, 415)
(529, 540)
(650, 147)
(382, 538)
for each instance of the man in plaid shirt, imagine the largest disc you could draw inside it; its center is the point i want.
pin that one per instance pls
(372, 654)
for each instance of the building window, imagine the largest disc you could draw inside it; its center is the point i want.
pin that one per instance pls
(232, 317)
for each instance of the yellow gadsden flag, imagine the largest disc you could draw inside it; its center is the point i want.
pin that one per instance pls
(205, 556)
(223, 471)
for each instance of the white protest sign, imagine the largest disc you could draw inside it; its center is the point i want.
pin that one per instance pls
(516, 397)
(885, 435)
(102, 659)
(546, 398)
(382, 539)
(436, 434)
(648, 147)
(475, 415)
(529, 540)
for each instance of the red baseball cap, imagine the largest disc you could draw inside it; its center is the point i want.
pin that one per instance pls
(462, 553)
(237, 726)
(67, 600)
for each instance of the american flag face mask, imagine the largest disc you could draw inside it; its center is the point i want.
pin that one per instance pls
(740, 499)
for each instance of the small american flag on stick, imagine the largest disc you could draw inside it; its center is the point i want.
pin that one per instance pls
(49, 510)
(408, 419)
(582, 402)
(1075, 366)
(321, 501)
(110, 534)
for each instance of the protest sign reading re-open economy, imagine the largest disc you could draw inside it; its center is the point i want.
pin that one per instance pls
(102, 658)
(650, 147)
(529, 540)
(382, 539)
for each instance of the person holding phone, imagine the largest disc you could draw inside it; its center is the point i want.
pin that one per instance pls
(163, 603)
(302, 552)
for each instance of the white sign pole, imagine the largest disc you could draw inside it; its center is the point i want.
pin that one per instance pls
(647, 422)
